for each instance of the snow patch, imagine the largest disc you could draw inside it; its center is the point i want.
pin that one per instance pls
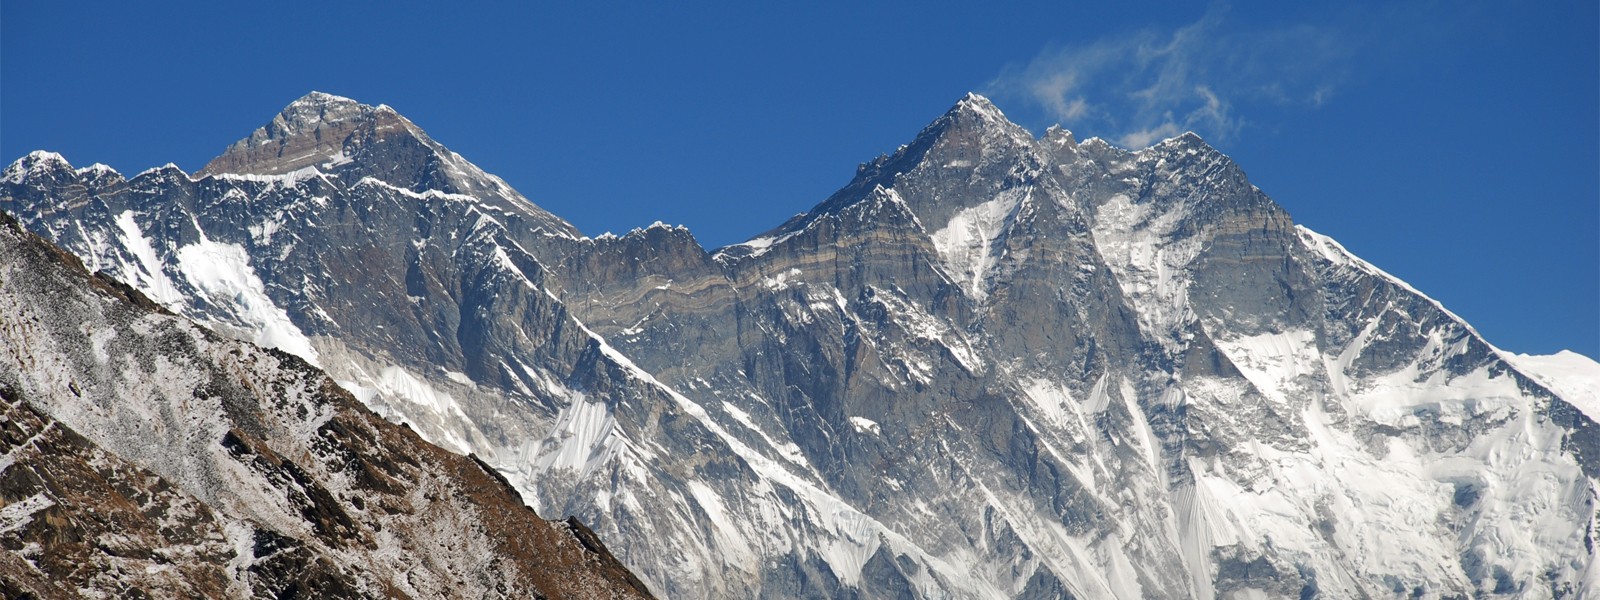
(1150, 262)
(396, 382)
(788, 450)
(584, 438)
(967, 242)
(338, 160)
(780, 281)
(147, 274)
(98, 341)
(865, 425)
(1052, 400)
(727, 535)
(222, 275)
(18, 514)
(761, 245)
(1572, 376)
(460, 378)
(1273, 362)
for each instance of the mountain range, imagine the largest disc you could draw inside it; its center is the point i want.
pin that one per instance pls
(992, 365)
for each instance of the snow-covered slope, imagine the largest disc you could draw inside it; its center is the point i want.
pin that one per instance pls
(992, 365)
(1573, 376)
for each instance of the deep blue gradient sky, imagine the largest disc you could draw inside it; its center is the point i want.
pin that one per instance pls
(1453, 144)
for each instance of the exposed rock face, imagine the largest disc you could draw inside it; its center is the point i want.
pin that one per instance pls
(992, 365)
(147, 456)
(351, 141)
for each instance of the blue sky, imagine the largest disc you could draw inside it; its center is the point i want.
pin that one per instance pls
(1453, 144)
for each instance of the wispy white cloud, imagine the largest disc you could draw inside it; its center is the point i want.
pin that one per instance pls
(1141, 87)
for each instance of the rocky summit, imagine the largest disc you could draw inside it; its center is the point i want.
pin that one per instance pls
(992, 365)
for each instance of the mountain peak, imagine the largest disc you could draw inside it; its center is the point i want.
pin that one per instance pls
(1187, 143)
(1058, 136)
(1187, 139)
(351, 141)
(38, 161)
(309, 131)
(969, 149)
(975, 105)
(322, 98)
(39, 158)
(319, 108)
(975, 114)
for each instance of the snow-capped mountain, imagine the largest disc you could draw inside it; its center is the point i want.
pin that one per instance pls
(992, 365)
(147, 457)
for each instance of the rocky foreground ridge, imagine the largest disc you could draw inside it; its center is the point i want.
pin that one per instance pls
(145, 456)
